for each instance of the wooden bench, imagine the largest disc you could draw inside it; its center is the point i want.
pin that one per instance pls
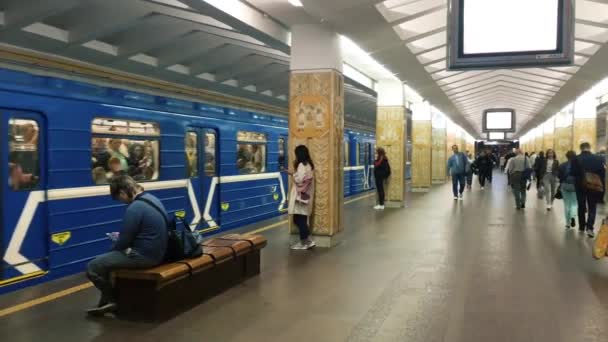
(162, 292)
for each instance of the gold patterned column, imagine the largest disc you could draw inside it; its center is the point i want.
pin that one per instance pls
(439, 155)
(548, 141)
(538, 147)
(316, 119)
(421, 155)
(391, 135)
(563, 142)
(585, 131)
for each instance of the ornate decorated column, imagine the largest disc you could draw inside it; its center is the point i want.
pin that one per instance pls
(549, 134)
(421, 149)
(316, 119)
(585, 121)
(563, 133)
(538, 145)
(439, 153)
(391, 135)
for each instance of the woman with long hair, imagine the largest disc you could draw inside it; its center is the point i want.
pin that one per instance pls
(549, 170)
(302, 196)
(567, 187)
(382, 170)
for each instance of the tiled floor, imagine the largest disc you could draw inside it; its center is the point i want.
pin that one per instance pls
(439, 270)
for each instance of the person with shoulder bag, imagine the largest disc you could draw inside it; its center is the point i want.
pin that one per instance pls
(548, 171)
(590, 174)
(301, 196)
(382, 170)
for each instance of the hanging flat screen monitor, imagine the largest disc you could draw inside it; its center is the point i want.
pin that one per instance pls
(498, 120)
(489, 34)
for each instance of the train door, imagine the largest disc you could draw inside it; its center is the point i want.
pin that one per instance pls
(203, 173)
(283, 159)
(23, 228)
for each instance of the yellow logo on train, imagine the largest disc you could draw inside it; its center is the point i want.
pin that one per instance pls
(61, 238)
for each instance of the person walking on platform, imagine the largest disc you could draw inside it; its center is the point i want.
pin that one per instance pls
(537, 163)
(382, 170)
(568, 189)
(457, 166)
(518, 171)
(302, 196)
(548, 169)
(470, 171)
(142, 242)
(484, 164)
(590, 175)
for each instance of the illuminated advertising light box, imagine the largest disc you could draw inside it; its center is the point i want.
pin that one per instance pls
(497, 136)
(491, 34)
(498, 120)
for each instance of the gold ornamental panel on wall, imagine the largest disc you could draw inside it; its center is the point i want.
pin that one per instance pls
(549, 141)
(390, 135)
(439, 154)
(316, 119)
(563, 142)
(585, 130)
(421, 154)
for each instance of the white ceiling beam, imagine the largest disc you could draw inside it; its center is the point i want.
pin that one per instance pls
(513, 89)
(418, 15)
(245, 19)
(487, 97)
(519, 86)
(20, 14)
(424, 35)
(592, 23)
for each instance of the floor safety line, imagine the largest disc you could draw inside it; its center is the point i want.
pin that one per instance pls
(63, 293)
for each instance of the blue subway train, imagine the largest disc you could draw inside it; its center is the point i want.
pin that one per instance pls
(63, 140)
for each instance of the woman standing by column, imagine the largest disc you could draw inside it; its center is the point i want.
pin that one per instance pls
(567, 187)
(302, 195)
(549, 169)
(382, 170)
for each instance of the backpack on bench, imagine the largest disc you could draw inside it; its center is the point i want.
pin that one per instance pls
(181, 244)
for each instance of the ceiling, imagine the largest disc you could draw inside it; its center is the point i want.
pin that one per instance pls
(167, 40)
(409, 38)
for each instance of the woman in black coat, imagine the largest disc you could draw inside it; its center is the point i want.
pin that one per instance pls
(382, 170)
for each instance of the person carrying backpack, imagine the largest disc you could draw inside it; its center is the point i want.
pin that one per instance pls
(590, 175)
(142, 242)
(382, 170)
(568, 189)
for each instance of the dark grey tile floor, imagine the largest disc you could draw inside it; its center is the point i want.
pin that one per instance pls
(439, 270)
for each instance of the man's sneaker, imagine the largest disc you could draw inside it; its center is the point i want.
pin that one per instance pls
(568, 226)
(572, 222)
(298, 246)
(455, 198)
(377, 207)
(102, 309)
(310, 244)
(549, 206)
(590, 233)
(380, 207)
(482, 188)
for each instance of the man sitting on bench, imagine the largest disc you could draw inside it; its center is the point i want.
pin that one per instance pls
(142, 242)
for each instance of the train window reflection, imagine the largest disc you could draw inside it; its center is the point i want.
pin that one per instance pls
(137, 157)
(210, 157)
(23, 161)
(191, 154)
(251, 152)
(282, 160)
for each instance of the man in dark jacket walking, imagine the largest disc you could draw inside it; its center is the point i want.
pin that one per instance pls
(382, 171)
(587, 165)
(484, 165)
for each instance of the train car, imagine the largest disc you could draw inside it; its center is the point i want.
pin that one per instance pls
(63, 140)
(359, 172)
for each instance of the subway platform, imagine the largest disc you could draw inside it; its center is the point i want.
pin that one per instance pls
(439, 270)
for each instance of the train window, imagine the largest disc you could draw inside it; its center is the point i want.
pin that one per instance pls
(210, 163)
(23, 161)
(346, 153)
(125, 127)
(137, 157)
(282, 158)
(191, 154)
(251, 152)
(357, 154)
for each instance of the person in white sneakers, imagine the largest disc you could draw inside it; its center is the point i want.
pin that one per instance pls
(548, 173)
(382, 170)
(302, 196)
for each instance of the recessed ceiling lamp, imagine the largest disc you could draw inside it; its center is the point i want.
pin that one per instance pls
(296, 3)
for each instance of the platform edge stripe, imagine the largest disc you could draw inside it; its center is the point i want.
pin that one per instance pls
(354, 168)
(45, 299)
